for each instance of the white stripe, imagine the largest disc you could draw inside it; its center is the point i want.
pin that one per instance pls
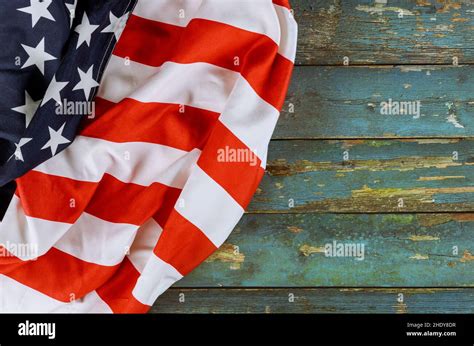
(206, 86)
(156, 278)
(144, 243)
(174, 12)
(90, 239)
(97, 241)
(257, 16)
(209, 207)
(18, 298)
(289, 28)
(28, 238)
(201, 85)
(250, 118)
(88, 159)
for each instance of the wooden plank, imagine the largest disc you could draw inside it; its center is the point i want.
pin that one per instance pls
(347, 102)
(430, 175)
(398, 32)
(316, 300)
(283, 250)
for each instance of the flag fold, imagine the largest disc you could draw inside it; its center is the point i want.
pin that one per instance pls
(155, 180)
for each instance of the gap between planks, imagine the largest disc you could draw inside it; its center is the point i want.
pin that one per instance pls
(283, 212)
(344, 288)
(389, 138)
(385, 65)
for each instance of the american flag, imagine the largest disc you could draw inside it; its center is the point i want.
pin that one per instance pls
(133, 135)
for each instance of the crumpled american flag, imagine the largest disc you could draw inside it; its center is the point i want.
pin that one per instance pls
(133, 135)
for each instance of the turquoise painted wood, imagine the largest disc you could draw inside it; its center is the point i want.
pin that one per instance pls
(315, 300)
(278, 250)
(347, 102)
(399, 32)
(368, 176)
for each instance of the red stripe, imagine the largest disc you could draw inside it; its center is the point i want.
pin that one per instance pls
(66, 278)
(53, 198)
(232, 165)
(7, 258)
(177, 126)
(284, 3)
(120, 202)
(163, 214)
(182, 244)
(117, 292)
(153, 43)
(59, 275)
(48, 197)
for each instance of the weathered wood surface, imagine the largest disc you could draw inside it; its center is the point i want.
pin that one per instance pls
(345, 102)
(378, 176)
(317, 300)
(429, 32)
(278, 250)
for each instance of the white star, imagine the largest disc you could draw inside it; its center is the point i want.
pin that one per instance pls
(37, 56)
(18, 154)
(72, 10)
(38, 9)
(117, 24)
(28, 109)
(54, 91)
(85, 30)
(87, 82)
(56, 139)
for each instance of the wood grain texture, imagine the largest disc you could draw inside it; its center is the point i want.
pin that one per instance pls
(432, 175)
(346, 102)
(400, 32)
(277, 250)
(316, 300)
